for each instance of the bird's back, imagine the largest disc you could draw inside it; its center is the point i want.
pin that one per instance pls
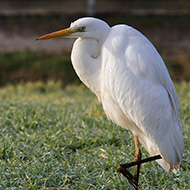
(138, 94)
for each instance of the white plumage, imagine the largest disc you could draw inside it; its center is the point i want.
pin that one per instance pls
(129, 77)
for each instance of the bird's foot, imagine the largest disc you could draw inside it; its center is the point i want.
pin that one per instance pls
(133, 180)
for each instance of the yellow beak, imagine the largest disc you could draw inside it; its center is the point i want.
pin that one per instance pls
(60, 33)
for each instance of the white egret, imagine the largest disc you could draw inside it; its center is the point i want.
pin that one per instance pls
(129, 77)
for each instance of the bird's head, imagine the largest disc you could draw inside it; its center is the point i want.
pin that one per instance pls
(84, 28)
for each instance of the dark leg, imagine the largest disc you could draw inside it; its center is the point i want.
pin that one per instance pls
(133, 180)
(122, 168)
(128, 175)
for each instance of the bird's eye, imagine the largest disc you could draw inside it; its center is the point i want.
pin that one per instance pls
(83, 28)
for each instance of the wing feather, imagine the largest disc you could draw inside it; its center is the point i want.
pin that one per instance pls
(137, 79)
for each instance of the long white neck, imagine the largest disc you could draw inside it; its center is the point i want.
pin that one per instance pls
(86, 60)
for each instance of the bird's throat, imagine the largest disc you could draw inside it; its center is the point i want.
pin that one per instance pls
(86, 60)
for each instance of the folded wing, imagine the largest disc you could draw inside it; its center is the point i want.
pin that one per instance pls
(137, 80)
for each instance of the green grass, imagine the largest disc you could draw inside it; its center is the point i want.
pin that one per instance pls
(61, 139)
(24, 66)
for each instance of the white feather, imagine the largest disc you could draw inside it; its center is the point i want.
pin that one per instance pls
(129, 77)
(139, 84)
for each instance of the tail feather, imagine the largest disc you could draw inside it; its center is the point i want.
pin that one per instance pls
(170, 149)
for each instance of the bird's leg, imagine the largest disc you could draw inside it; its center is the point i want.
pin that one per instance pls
(137, 157)
(149, 159)
(133, 180)
(122, 168)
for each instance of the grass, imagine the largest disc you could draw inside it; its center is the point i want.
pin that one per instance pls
(61, 139)
(23, 66)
